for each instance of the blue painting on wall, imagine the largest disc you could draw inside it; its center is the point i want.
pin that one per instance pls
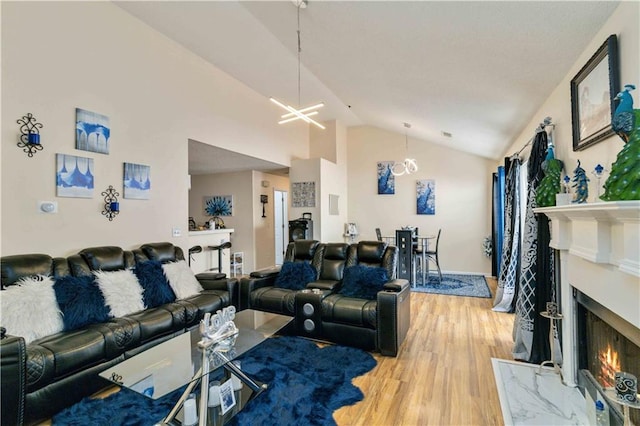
(74, 176)
(218, 205)
(92, 131)
(386, 180)
(426, 196)
(137, 181)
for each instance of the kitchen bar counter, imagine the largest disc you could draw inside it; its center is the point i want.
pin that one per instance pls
(209, 258)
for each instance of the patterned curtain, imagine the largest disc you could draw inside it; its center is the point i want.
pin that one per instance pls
(510, 262)
(536, 276)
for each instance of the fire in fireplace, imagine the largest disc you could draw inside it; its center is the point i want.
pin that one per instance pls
(608, 345)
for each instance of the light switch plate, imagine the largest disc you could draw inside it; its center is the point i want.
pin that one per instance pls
(176, 232)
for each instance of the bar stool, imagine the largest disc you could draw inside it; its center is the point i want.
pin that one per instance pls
(193, 250)
(219, 248)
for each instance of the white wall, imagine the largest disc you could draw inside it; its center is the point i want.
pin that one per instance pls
(57, 56)
(264, 232)
(463, 195)
(624, 23)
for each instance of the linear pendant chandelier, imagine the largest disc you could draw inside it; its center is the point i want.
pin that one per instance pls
(302, 113)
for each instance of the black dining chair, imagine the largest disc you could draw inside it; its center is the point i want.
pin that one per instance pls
(378, 234)
(433, 255)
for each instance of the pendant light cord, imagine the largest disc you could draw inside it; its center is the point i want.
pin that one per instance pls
(299, 50)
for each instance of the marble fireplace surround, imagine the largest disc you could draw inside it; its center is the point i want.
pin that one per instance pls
(599, 245)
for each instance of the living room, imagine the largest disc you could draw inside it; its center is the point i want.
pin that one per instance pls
(59, 56)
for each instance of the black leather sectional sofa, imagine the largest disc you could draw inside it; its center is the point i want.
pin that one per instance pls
(321, 311)
(48, 374)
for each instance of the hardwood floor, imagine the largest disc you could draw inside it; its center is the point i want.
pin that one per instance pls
(443, 374)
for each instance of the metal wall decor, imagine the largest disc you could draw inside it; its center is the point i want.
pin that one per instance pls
(30, 134)
(264, 199)
(111, 204)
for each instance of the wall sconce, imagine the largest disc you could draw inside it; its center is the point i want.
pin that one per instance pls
(264, 199)
(111, 204)
(30, 134)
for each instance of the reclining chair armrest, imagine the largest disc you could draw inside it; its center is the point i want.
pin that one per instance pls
(266, 272)
(13, 380)
(396, 285)
(394, 319)
(209, 281)
(248, 285)
(332, 286)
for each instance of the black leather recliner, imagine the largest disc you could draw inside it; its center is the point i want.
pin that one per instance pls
(59, 370)
(258, 291)
(321, 312)
(381, 324)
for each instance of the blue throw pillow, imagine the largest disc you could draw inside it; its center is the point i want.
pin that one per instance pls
(295, 275)
(157, 290)
(80, 301)
(363, 282)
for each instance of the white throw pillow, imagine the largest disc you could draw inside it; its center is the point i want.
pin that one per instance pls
(121, 290)
(29, 308)
(181, 279)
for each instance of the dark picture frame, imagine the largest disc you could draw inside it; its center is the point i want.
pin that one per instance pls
(592, 96)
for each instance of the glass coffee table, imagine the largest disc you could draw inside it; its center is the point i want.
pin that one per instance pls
(181, 361)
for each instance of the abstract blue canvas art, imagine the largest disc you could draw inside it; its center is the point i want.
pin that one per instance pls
(137, 181)
(386, 180)
(74, 176)
(426, 196)
(218, 205)
(92, 131)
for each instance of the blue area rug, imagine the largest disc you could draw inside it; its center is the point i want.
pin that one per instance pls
(306, 385)
(455, 285)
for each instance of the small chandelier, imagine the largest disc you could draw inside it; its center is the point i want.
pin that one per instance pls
(302, 113)
(409, 165)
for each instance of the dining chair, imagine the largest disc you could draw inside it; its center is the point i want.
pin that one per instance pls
(378, 234)
(433, 255)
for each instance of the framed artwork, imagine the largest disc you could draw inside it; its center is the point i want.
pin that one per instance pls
(218, 205)
(92, 131)
(303, 194)
(592, 96)
(386, 179)
(426, 196)
(137, 181)
(74, 176)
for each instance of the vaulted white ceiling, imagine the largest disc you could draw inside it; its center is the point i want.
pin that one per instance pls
(478, 70)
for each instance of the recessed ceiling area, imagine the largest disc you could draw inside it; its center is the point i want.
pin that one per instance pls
(207, 159)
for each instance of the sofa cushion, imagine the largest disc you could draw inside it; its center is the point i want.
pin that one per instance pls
(75, 350)
(29, 308)
(181, 279)
(157, 290)
(80, 301)
(295, 275)
(363, 282)
(121, 290)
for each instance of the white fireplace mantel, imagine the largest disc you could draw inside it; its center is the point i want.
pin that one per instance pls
(599, 245)
(606, 233)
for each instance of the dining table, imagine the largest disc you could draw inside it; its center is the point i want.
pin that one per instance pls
(420, 247)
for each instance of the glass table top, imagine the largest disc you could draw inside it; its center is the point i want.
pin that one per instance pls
(172, 364)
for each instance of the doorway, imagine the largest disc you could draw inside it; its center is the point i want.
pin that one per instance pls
(281, 215)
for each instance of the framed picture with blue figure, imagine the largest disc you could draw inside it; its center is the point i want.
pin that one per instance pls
(92, 131)
(137, 181)
(218, 205)
(426, 196)
(74, 176)
(386, 179)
